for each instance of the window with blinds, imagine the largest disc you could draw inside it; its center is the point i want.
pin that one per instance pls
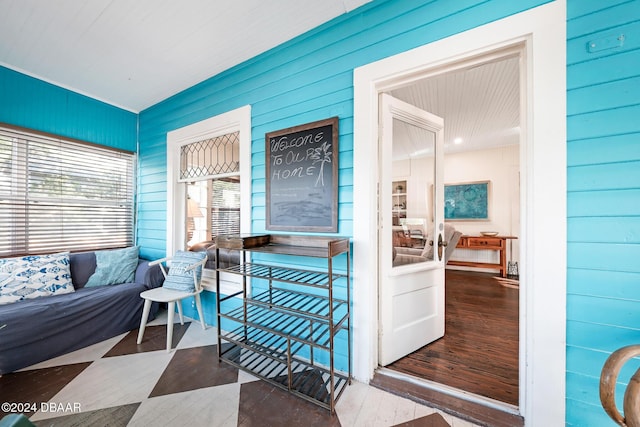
(225, 206)
(58, 195)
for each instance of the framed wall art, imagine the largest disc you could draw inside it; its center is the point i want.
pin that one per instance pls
(467, 201)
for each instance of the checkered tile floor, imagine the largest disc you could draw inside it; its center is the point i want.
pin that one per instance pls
(119, 383)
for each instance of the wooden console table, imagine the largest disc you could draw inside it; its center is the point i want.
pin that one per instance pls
(491, 243)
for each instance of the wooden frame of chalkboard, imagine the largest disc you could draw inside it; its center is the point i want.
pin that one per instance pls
(302, 177)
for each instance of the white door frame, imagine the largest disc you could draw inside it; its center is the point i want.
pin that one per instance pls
(541, 33)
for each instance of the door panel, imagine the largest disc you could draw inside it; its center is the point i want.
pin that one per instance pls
(410, 255)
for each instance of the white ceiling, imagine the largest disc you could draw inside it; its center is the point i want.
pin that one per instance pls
(135, 53)
(479, 105)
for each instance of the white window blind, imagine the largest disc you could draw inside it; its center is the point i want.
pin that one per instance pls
(225, 206)
(58, 195)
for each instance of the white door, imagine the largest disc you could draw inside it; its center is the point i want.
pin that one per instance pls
(411, 213)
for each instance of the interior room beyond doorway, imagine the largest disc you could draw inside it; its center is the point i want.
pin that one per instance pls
(479, 352)
(481, 110)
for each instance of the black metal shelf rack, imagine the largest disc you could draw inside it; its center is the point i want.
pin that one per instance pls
(286, 334)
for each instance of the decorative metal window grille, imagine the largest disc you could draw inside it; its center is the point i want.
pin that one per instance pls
(214, 156)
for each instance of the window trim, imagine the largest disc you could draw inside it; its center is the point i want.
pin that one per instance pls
(49, 135)
(231, 121)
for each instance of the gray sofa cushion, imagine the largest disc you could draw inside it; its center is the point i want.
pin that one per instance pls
(82, 266)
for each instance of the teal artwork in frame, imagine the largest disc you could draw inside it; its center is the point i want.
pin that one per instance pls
(466, 201)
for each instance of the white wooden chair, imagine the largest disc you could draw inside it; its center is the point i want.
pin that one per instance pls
(183, 280)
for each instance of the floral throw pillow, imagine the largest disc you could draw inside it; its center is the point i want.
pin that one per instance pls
(34, 276)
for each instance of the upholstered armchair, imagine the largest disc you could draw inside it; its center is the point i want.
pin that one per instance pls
(403, 256)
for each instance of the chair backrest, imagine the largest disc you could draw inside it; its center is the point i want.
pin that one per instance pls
(416, 233)
(451, 236)
(451, 245)
(185, 271)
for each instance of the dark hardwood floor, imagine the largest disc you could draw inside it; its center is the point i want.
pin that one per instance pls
(479, 352)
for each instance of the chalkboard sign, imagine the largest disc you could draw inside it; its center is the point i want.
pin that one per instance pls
(302, 177)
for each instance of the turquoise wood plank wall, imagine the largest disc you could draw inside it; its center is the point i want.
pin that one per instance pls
(603, 199)
(306, 79)
(32, 103)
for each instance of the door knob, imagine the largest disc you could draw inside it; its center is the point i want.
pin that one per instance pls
(441, 244)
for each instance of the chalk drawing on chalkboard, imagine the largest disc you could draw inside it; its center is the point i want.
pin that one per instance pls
(297, 213)
(321, 155)
(302, 177)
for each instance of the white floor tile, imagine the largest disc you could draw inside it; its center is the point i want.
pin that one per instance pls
(245, 377)
(113, 381)
(351, 402)
(368, 414)
(208, 407)
(423, 411)
(87, 354)
(161, 318)
(457, 422)
(364, 405)
(403, 409)
(196, 336)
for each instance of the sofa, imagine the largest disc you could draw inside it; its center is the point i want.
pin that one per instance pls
(228, 257)
(36, 329)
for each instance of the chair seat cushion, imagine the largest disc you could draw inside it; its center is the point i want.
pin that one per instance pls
(178, 277)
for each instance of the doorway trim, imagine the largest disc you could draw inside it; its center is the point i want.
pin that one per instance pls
(542, 34)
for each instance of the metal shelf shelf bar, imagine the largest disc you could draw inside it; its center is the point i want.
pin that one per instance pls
(310, 382)
(283, 324)
(299, 302)
(284, 274)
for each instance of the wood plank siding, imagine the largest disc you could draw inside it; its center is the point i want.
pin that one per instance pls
(603, 198)
(306, 79)
(31, 103)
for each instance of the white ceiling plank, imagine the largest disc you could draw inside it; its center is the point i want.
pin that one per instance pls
(480, 105)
